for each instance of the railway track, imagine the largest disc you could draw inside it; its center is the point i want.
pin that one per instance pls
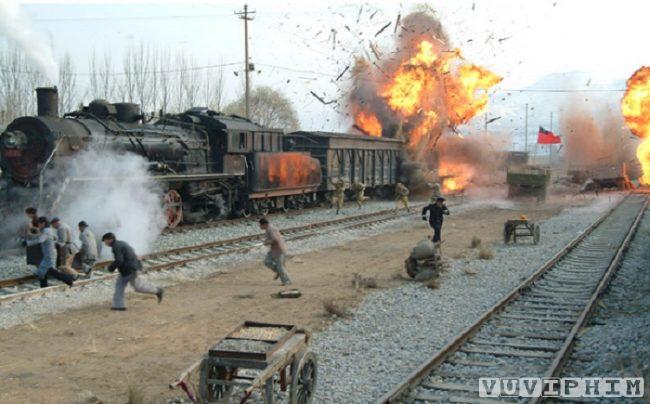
(531, 331)
(27, 286)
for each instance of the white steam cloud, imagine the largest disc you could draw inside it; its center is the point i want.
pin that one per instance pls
(119, 197)
(15, 26)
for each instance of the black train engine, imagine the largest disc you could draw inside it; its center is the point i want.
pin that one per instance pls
(208, 164)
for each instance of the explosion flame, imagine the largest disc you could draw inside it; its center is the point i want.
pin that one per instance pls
(635, 106)
(424, 91)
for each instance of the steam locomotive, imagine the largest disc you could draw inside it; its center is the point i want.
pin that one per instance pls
(209, 165)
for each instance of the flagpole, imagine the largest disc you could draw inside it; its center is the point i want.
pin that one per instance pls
(526, 131)
(550, 146)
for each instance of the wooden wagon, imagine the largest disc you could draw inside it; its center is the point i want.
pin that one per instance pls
(254, 356)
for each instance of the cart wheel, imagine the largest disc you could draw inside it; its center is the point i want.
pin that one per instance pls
(536, 232)
(304, 375)
(210, 392)
(411, 267)
(506, 234)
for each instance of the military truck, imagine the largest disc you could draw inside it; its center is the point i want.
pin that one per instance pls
(528, 181)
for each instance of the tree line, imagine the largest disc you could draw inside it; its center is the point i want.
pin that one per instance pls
(158, 80)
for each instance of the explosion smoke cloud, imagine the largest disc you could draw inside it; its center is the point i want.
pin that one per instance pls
(425, 90)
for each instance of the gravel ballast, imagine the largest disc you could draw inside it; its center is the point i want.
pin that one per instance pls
(394, 331)
(616, 341)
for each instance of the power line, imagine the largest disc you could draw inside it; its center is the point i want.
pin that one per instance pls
(112, 74)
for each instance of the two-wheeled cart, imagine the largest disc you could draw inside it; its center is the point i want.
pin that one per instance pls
(255, 356)
(517, 228)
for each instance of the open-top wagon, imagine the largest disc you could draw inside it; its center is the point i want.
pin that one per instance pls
(254, 356)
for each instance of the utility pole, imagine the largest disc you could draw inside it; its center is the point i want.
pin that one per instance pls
(246, 16)
(526, 130)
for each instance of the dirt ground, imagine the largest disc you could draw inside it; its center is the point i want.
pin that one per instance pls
(96, 352)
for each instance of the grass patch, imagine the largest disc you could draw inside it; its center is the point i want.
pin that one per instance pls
(475, 243)
(334, 309)
(136, 395)
(485, 254)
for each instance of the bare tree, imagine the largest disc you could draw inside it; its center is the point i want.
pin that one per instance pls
(67, 85)
(18, 78)
(213, 88)
(165, 82)
(102, 80)
(189, 82)
(268, 107)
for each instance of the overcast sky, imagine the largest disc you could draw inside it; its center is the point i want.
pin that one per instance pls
(522, 41)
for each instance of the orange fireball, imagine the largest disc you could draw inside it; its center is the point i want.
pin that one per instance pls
(635, 106)
(466, 93)
(368, 123)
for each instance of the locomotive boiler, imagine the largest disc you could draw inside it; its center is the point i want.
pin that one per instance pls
(208, 164)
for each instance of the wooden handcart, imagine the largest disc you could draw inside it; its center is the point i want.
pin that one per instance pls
(254, 356)
(517, 228)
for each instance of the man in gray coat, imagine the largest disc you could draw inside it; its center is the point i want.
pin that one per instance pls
(277, 254)
(65, 248)
(47, 239)
(129, 266)
(87, 255)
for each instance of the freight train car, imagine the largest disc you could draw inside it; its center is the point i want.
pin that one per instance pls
(375, 161)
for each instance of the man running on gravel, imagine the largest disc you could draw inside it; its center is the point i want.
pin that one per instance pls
(129, 266)
(277, 254)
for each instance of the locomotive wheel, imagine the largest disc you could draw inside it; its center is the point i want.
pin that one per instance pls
(536, 233)
(173, 208)
(304, 375)
(212, 393)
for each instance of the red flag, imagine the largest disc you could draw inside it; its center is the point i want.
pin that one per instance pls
(547, 137)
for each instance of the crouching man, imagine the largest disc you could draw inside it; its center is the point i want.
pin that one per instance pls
(277, 254)
(129, 266)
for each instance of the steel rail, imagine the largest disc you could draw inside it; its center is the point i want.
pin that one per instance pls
(416, 377)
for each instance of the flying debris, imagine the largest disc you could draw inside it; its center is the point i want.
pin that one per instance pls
(373, 14)
(342, 73)
(375, 50)
(493, 119)
(322, 100)
(399, 17)
(383, 28)
(503, 39)
(359, 14)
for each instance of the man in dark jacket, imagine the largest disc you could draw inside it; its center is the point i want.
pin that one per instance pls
(436, 211)
(128, 264)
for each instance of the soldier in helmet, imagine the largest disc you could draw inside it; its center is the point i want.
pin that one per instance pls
(338, 195)
(358, 188)
(401, 196)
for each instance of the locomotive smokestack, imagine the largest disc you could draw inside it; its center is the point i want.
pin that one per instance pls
(47, 100)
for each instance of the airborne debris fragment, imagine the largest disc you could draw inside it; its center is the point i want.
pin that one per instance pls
(322, 100)
(399, 17)
(493, 119)
(342, 73)
(383, 28)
